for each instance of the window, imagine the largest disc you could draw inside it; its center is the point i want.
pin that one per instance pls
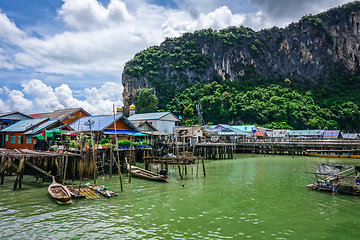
(6, 138)
(28, 139)
(13, 139)
(19, 139)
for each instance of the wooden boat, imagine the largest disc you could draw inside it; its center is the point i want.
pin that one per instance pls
(145, 174)
(332, 153)
(59, 192)
(336, 178)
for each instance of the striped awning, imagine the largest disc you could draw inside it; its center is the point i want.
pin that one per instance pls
(331, 134)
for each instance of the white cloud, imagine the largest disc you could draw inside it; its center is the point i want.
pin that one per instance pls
(8, 29)
(101, 39)
(218, 19)
(282, 12)
(46, 99)
(3, 107)
(17, 102)
(112, 36)
(91, 13)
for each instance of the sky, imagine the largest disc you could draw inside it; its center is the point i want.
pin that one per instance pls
(57, 54)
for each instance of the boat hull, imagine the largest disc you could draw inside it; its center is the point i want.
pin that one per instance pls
(144, 174)
(331, 155)
(60, 193)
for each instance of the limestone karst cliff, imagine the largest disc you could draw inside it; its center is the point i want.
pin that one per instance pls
(307, 52)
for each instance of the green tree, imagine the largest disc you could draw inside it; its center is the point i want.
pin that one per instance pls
(146, 101)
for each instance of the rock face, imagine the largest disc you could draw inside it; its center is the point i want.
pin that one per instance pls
(305, 52)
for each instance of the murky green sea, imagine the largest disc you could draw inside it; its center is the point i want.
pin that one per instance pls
(264, 197)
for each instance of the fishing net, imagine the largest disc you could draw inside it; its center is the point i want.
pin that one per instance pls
(329, 169)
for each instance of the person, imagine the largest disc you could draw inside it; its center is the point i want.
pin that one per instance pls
(54, 148)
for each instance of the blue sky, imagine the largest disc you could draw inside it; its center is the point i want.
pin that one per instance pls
(60, 54)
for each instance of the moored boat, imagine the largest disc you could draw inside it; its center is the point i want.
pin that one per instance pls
(333, 153)
(145, 174)
(59, 192)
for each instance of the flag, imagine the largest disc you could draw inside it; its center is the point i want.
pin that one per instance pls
(43, 133)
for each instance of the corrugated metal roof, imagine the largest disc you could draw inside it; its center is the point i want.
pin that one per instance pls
(259, 134)
(150, 116)
(275, 134)
(61, 114)
(331, 134)
(222, 126)
(24, 125)
(45, 125)
(233, 131)
(349, 135)
(245, 128)
(12, 115)
(190, 131)
(98, 123)
(305, 132)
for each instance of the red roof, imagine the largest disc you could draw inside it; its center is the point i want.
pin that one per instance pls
(34, 115)
(259, 134)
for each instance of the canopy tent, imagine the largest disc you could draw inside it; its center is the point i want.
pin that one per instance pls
(50, 133)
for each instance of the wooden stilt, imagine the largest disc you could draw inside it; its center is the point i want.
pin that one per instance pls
(73, 171)
(185, 166)
(16, 181)
(197, 168)
(179, 169)
(111, 161)
(66, 162)
(203, 167)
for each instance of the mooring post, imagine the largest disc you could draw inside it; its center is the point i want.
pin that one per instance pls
(197, 168)
(179, 169)
(185, 166)
(203, 167)
(66, 162)
(111, 161)
(16, 180)
(73, 172)
(2, 177)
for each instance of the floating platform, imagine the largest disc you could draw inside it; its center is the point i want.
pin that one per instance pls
(91, 192)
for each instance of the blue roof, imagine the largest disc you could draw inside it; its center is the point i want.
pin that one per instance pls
(245, 128)
(349, 135)
(23, 125)
(41, 127)
(233, 131)
(150, 116)
(305, 132)
(98, 123)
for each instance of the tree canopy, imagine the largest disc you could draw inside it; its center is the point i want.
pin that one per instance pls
(146, 101)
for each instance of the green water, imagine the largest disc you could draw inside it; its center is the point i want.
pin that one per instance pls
(259, 198)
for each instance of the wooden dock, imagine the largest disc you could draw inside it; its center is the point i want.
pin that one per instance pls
(296, 147)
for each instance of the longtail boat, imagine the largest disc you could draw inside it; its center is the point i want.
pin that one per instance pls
(59, 192)
(145, 174)
(333, 153)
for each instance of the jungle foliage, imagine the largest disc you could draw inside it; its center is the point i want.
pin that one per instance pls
(273, 106)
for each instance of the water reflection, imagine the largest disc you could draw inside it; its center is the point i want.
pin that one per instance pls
(260, 197)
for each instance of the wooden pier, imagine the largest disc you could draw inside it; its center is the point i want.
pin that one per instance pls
(215, 150)
(296, 147)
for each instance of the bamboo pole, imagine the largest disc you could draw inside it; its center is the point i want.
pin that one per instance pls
(66, 162)
(93, 153)
(177, 161)
(176, 181)
(117, 150)
(130, 159)
(111, 162)
(203, 167)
